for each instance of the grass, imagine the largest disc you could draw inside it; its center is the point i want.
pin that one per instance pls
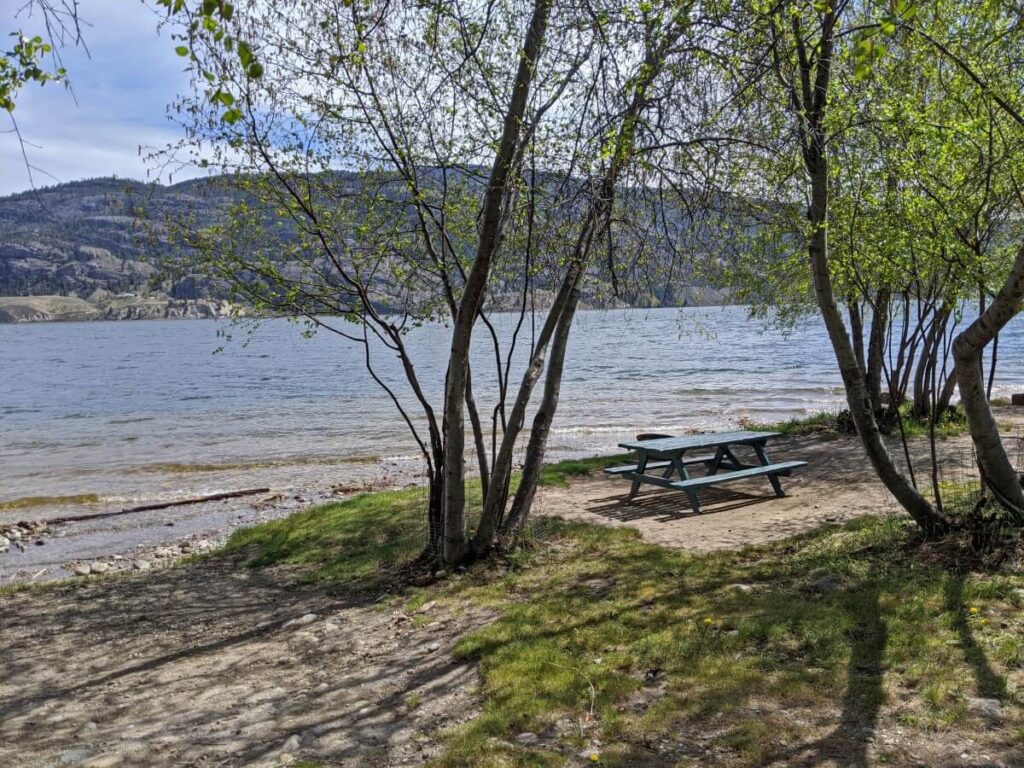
(358, 544)
(835, 424)
(652, 656)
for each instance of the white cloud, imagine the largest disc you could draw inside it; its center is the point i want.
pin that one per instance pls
(122, 90)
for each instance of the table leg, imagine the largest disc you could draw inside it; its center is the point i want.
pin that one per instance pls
(641, 467)
(680, 467)
(727, 453)
(684, 475)
(762, 456)
(717, 463)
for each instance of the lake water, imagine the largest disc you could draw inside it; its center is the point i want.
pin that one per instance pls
(133, 411)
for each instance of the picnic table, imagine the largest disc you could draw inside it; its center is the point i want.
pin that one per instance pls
(661, 460)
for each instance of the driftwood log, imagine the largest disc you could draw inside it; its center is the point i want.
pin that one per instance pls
(160, 505)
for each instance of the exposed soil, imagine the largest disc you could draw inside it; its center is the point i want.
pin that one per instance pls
(838, 484)
(216, 664)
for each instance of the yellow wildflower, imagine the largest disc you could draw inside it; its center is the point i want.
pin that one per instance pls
(973, 609)
(708, 620)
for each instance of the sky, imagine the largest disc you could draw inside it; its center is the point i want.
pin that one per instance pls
(123, 88)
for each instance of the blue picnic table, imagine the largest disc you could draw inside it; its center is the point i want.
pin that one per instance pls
(663, 462)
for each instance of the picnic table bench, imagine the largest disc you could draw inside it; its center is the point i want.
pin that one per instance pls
(660, 459)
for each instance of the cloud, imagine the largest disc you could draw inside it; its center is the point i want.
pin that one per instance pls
(120, 93)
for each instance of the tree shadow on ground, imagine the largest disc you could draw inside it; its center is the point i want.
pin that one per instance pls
(862, 700)
(198, 663)
(989, 682)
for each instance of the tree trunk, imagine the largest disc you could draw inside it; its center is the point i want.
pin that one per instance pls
(857, 330)
(815, 153)
(994, 464)
(489, 237)
(501, 473)
(523, 500)
(876, 349)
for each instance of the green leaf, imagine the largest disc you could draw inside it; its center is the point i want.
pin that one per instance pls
(244, 54)
(181, 50)
(254, 70)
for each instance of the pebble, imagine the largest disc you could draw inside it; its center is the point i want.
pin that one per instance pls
(140, 565)
(427, 606)
(441, 574)
(744, 588)
(301, 621)
(99, 567)
(88, 727)
(433, 647)
(527, 738)
(292, 743)
(329, 627)
(81, 570)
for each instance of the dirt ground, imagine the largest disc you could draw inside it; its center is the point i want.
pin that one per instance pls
(837, 484)
(211, 664)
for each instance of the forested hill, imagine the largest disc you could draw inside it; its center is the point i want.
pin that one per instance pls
(101, 245)
(98, 240)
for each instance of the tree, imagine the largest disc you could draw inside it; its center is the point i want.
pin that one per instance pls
(477, 147)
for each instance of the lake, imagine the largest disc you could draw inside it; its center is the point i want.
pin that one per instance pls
(148, 410)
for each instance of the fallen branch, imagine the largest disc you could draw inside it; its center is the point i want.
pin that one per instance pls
(161, 505)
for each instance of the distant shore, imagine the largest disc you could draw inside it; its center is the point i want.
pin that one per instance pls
(102, 305)
(46, 309)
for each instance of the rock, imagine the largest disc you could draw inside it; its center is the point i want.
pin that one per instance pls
(433, 647)
(4, 542)
(87, 727)
(74, 756)
(442, 574)
(829, 582)
(526, 738)
(427, 606)
(329, 627)
(99, 567)
(301, 621)
(292, 743)
(81, 570)
(744, 588)
(990, 709)
(140, 565)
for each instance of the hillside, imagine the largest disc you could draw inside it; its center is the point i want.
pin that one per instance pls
(99, 249)
(99, 244)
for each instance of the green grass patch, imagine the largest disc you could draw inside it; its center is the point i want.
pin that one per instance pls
(359, 543)
(748, 655)
(823, 424)
(559, 474)
(606, 638)
(836, 424)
